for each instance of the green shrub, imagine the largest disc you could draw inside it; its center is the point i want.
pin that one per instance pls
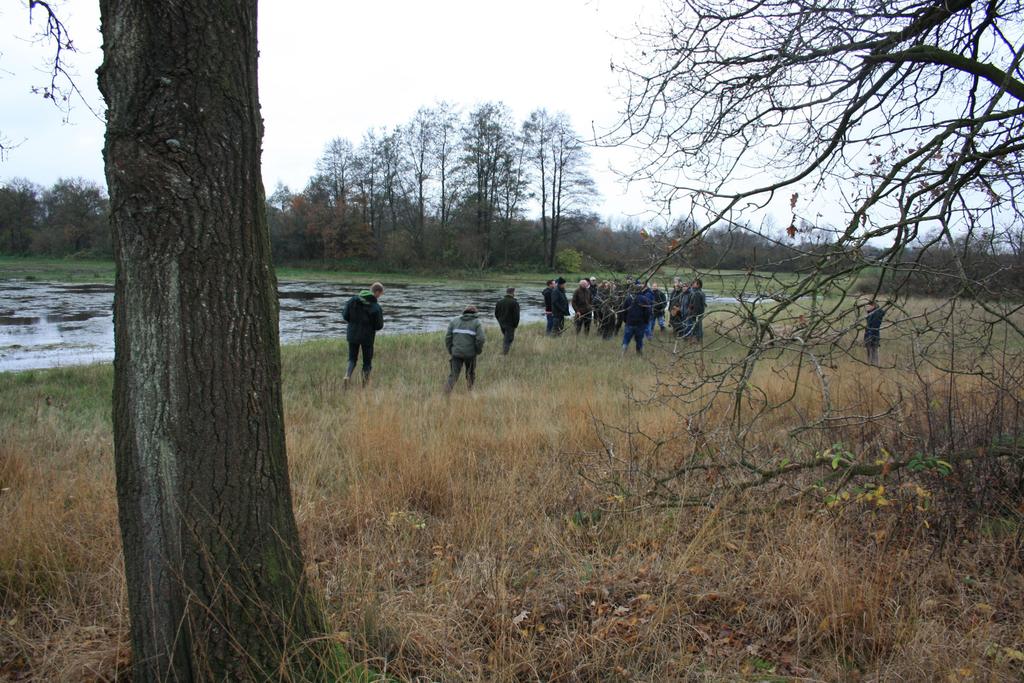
(569, 261)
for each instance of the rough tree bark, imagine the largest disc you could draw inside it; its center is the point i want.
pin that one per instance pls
(212, 556)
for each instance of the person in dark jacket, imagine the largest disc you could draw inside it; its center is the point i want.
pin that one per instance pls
(596, 297)
(507, 315)
(659, 301)
(636, 314)
(549, 318)
(873, 331)
(364, 317)
(678, 306)
(696, 308)
(559, 306)
(583, 305)
(464, 341)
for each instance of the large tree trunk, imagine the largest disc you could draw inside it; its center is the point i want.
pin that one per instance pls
(212, 557)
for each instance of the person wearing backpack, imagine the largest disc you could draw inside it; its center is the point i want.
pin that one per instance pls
(365, 318)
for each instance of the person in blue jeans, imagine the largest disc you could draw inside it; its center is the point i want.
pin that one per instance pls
(636, 314)
(659, 301)
(547, 307)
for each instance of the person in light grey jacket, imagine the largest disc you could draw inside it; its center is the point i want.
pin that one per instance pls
(464, 341)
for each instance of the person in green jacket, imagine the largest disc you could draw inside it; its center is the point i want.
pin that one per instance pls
(464, 341)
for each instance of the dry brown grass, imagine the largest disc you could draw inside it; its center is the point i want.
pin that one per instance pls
(454, 540)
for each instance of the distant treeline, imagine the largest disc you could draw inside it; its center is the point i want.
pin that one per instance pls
(983, 265)
(463, 189)
(452, 190)
(69, 218)
(445, 187)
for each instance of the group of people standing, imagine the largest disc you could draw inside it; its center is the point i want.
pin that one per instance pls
(464, 339)
(608, 306)
(636, 305)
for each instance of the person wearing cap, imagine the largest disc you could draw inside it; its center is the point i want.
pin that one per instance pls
(464, 341)
(583, 305)
(364, 317)
(506, 312)
(559, 306)
(549, 318)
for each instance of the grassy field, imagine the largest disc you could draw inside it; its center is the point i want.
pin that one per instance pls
(101, 271)
(730, 283)
(57, 270)
(456, 539)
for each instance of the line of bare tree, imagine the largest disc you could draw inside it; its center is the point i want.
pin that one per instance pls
(444, 185)
(71, 218)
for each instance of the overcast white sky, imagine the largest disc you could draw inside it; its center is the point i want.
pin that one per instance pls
(332, 69)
